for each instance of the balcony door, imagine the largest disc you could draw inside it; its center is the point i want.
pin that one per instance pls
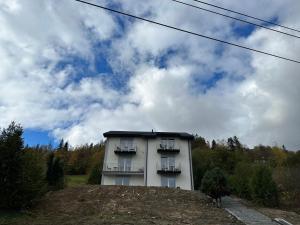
(168, 182)
(124, 164)
(167, 162)
(126, 144)
(167, 143)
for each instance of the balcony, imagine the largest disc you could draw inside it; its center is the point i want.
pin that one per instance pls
(168, 148)
(168, 169)
(125, 150)
(117, 169)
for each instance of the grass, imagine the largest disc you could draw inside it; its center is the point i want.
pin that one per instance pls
(76, 180)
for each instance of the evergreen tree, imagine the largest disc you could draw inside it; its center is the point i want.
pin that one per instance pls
(55, 172)
(214, 184)
(11, 146)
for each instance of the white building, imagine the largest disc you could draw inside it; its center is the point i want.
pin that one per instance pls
(148, 159)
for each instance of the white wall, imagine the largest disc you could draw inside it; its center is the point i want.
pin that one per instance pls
(137, 160)
(183, 180)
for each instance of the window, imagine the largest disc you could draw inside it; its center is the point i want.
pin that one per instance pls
(126, 143)
(124, 164)
(167, 143)
(122, 181)
(168, 182)
(167, 162)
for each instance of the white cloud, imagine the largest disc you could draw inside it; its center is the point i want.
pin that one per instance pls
(256, 99)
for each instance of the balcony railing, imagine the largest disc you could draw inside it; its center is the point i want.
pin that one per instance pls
(125, 150)
(168, 148)
(168, 169)
(117, 169)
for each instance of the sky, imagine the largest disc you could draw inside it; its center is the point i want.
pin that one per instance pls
(73, 71)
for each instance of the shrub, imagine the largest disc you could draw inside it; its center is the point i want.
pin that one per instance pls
(263, 188)
(214, 184)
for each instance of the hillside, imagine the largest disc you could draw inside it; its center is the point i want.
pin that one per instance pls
(89, 205)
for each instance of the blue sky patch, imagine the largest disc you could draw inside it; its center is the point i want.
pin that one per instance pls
(34, 137)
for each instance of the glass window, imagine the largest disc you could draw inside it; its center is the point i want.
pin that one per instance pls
(171, 143)
(163, 143)
(167, 162)
(118, 180)
(122, 181)
(124, 164)
(164, 181)
(172, 182)
(168, 182)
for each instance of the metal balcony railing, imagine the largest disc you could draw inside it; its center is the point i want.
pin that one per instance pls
(117, 169)
(125, 149)
(163, 148)
(168, 168)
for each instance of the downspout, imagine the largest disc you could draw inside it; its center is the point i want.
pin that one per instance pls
(191, 166)
(146, 165)
(105, 158)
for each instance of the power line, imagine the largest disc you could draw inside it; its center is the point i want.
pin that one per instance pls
(234, 18)
(243, 14)
(188, 32)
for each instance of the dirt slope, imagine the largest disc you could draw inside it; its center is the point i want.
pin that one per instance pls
(89, 205)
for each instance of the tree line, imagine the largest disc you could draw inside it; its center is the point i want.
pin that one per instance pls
(267, 175)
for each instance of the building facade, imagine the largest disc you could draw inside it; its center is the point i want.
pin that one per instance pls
(148, 159)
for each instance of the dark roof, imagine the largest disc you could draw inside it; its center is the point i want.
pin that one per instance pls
(145, 134)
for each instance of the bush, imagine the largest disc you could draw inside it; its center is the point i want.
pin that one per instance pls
(263, 188)
(214, 184)
(55, 172)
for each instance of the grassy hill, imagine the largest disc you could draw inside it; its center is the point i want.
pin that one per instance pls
(90, 204)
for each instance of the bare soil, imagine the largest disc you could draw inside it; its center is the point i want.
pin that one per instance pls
(88, 205)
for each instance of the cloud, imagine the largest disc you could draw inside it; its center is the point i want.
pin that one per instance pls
(161, 79)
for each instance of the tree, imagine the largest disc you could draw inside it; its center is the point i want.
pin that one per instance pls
(213, 144)
(11, 146)
(33, 184)
(55, 172)
(230, 143)
(240, 181)
(214, 184)
(95, 173)
(264, 189)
